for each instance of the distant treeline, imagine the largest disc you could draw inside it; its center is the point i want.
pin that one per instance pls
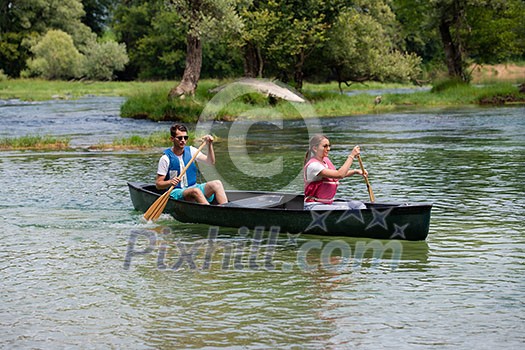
(292, 40)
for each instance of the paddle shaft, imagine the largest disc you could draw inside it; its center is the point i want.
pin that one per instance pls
(158, 206)
(368, 186)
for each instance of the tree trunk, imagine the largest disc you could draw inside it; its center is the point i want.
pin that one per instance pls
(451, 17)
(298, 71)
(250, 61)
(253, 62)
(192, 71)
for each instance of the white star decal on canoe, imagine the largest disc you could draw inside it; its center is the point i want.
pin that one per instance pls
(318, 219)
(399, 231)
(379, 218)
(356, 213)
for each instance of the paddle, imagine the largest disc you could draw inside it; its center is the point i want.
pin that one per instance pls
(158, 206)
(370, 192)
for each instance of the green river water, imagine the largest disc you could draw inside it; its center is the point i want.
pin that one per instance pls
(67, 226)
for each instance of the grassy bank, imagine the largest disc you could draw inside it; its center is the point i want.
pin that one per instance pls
(156, 139)
(148, 100)
(41, 90)
(34, 142)
(324, 98)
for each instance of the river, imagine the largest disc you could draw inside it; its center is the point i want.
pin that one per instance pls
(81, 269)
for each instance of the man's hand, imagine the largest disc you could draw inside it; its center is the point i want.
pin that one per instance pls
(208, 139)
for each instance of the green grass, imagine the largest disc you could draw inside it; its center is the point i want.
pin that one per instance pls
(40, 90)
(35, 142)
(324, 98)
(153, 140)
(149, 99)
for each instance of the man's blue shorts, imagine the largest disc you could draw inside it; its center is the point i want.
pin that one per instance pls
(178, 193)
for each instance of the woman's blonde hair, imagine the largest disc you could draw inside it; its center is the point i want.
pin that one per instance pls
(314, 141)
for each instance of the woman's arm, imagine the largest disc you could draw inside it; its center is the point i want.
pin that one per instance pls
(344, 170)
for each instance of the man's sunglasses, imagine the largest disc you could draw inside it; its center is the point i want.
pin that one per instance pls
(180, 138)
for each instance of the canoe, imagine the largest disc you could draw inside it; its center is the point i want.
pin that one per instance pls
(285, 212)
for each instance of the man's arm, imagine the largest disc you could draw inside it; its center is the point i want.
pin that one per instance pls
(162, 170)
(161, 184)
(210, 157)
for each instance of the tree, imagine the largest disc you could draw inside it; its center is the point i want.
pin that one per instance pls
(280, 36)
(496, 33)
(201, 18)
(418, 30)
(469, 30)
(451, 16)
(56, 57)
(260, 25)
(360, 49)
(136, 23)
(23, 22)
(103, 59)
(97, 13)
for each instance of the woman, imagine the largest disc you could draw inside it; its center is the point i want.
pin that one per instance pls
(321, 178)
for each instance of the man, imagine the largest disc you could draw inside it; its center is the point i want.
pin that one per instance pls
(176, 158)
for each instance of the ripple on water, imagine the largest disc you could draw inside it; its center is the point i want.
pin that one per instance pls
(66, 222)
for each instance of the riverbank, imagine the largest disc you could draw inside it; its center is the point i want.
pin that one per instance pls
(35, 142)
(148, 100)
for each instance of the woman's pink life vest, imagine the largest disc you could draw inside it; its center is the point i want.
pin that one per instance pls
(323, 190)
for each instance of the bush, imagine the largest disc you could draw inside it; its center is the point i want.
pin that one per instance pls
(55, 57)
(103, 59)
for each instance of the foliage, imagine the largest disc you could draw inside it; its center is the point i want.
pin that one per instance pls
(24, 22)
(56, 57)
(96, 14)
(103, 58)
(3, 76)
(360, 49)
(280, 36)
(459, 32)
(208, 19)
(288, 39)
(418, 29)
(495, 32)
(154, 39)
(13, 55)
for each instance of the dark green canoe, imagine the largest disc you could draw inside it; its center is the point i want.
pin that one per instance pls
(285, 211)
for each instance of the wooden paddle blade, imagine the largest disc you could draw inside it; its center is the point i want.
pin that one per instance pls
(158, 206)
